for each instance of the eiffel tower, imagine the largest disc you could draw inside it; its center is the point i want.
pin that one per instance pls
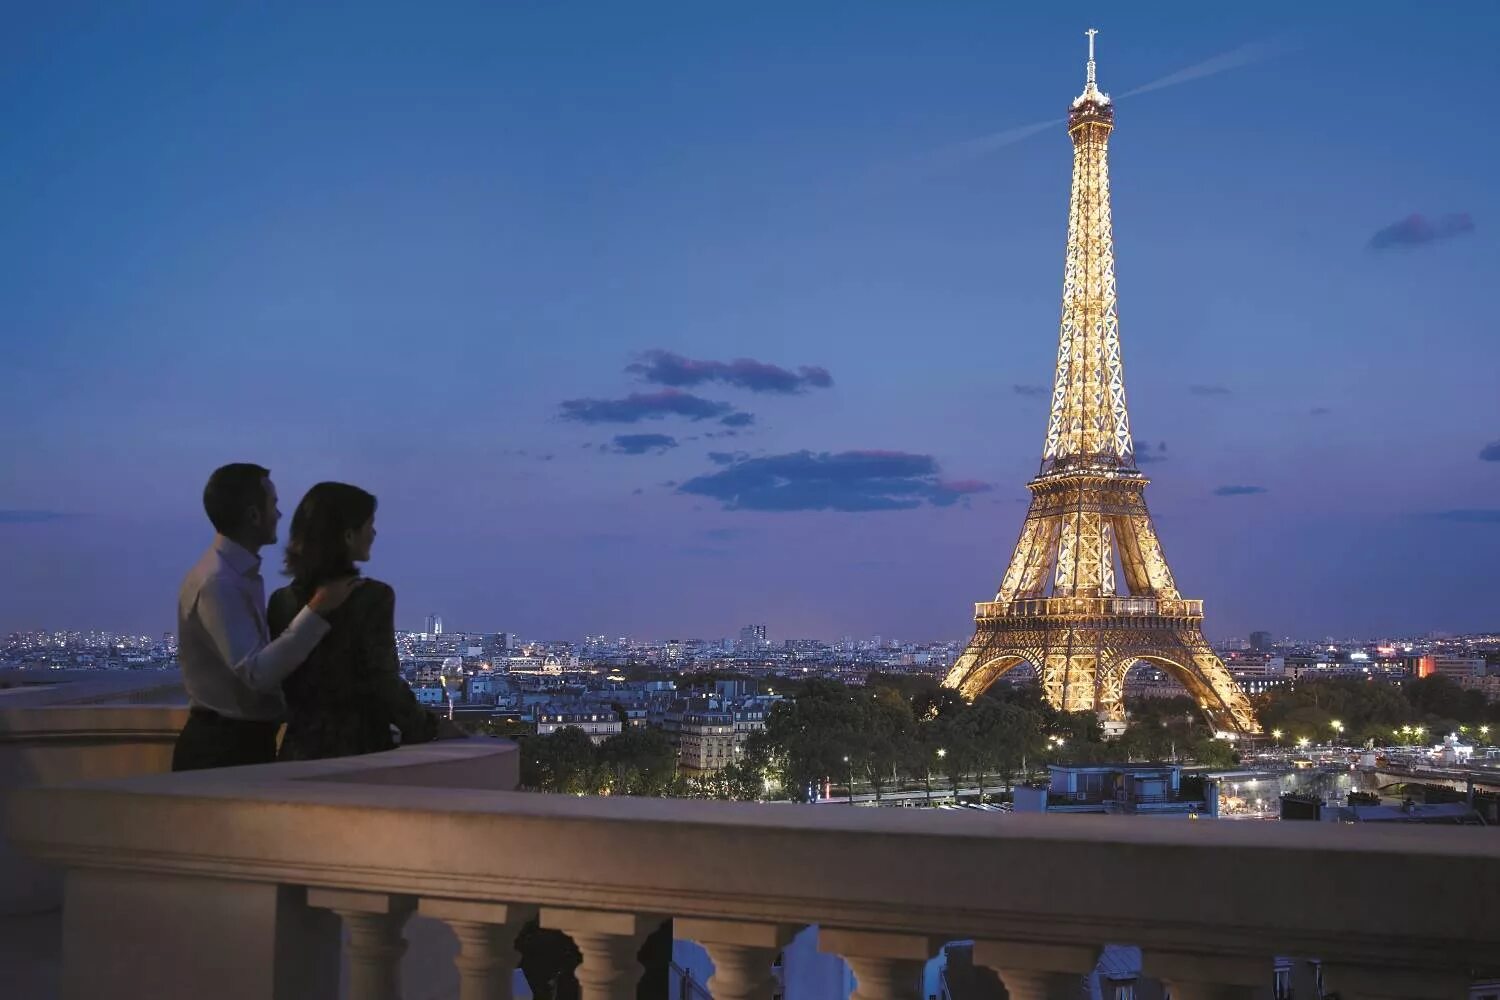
(1087, 506)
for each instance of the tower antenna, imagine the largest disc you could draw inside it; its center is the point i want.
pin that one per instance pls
(1091, 33)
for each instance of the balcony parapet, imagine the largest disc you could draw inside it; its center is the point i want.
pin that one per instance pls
(65, 743)
(242, 869)
(1089, 607)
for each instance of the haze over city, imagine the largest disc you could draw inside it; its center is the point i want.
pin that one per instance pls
(661, 321)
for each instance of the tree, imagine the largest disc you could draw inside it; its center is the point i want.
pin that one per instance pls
(1078, 727)
(1439, 698)
(563, 761)
(1215, 753)
(999, 735)
(955, 739)
(639, 761)
(813, 734)
(886, 734)
(503, 728)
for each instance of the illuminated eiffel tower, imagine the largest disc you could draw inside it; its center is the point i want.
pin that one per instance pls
(1087, 506)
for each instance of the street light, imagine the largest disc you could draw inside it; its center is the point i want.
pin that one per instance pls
(1303, 742)
(1338, 729)
(1276, 735)
(849, 768)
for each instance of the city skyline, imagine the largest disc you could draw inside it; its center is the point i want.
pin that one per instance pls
(706, 329)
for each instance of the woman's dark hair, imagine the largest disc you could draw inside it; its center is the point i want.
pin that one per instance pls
(316, 551)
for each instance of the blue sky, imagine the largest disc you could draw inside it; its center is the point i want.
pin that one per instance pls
(418, 248)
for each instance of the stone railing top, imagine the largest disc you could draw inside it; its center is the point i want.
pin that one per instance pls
(1212, 886)
(90, 722)
(35, 687)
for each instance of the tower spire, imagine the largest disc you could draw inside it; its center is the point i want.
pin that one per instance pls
(1091, 92)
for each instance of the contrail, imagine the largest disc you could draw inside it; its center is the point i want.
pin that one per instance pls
(1245, 55)
(960, 153)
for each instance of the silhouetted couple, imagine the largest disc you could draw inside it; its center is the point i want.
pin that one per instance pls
(322, 657)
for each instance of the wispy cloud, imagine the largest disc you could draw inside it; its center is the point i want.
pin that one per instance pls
(740, 419)
(32, 516)
(843, 481)
(640, 406)
(667, 368)
(1210, 390)
(1146, 452)
(1238, 491)
(1029, 390)
(641, 444)
(1418, 230)
(727, 457)
(1470, 515)
(1319, 411)
(1490, 452)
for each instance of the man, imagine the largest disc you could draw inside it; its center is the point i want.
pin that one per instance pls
(230, 667)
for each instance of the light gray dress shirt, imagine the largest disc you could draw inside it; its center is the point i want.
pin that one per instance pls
(228, 662)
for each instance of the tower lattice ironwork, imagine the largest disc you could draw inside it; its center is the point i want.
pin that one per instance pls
(1060, 606)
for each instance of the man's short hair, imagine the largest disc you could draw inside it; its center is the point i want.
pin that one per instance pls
(232, 490)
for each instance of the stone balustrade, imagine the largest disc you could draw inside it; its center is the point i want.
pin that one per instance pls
(58, 743)
(244, 884)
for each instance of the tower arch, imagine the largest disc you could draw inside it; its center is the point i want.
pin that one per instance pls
(972, 676)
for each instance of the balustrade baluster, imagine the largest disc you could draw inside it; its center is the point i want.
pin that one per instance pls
(742, 953)
(608, 941)
(374, 920)
(887, 966)
(486, 932)
(1037, 971)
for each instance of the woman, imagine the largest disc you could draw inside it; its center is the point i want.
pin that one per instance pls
(349, 693)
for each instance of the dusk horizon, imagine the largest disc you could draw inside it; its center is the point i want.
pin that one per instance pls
(660, 323)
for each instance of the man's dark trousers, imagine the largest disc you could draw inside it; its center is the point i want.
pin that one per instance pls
(213, 740)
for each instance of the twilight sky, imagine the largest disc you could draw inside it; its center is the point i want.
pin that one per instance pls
(659, 319)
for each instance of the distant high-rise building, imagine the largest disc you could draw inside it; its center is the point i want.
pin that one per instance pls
(434, 625)
(753, 637)
(1260, 642)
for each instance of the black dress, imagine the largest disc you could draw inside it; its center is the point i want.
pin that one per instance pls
(349, 693)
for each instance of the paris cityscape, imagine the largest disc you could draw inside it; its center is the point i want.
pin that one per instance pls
(822, 615)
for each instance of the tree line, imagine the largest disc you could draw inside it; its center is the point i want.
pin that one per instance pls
(895, 732)
(1428, 708)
